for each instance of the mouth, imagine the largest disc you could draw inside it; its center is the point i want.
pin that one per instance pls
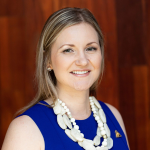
(77, 72)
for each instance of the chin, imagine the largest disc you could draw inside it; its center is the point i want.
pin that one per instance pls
(81, 87)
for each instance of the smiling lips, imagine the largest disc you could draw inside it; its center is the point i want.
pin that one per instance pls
(80, 73)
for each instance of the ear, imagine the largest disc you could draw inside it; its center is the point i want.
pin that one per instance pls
(49, 66)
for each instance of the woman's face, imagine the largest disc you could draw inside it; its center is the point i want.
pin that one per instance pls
(76, 57)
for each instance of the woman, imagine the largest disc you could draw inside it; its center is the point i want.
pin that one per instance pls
(70, 61)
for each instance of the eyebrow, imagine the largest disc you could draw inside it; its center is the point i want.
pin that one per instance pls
(74, 45)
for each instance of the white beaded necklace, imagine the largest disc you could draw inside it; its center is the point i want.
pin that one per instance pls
(66, 122)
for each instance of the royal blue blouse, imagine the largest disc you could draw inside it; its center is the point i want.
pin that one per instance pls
(56, 139)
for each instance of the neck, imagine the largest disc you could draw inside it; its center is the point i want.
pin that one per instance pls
(77, 102)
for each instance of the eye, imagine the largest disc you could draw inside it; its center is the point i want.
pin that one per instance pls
(68, 50)
(91, 49)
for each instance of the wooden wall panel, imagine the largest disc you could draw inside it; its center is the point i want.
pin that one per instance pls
(11, 8)
(133, 55)
(106, 15)
(11, 79)
(127, 108)
(126, 80)
(141, 102)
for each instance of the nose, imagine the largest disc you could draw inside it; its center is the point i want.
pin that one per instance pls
(82, 59)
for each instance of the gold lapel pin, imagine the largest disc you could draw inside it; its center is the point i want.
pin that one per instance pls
(118, 134)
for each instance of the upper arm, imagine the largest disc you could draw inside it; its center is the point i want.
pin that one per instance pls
(118, 117)
(23, 134)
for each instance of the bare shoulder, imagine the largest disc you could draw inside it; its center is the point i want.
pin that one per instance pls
(118, 117)
(23, 134)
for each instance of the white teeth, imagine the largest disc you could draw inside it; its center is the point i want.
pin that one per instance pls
(80, 72)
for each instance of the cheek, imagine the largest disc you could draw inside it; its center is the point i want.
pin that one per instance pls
(97, 60)
(60, 66)
(57, 65)
(97, 64)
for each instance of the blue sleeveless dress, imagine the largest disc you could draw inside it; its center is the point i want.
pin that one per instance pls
(55, 137)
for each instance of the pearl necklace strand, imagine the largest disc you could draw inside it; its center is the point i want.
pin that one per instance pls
(66, 122)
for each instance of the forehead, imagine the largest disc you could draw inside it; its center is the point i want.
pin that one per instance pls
(79, 33)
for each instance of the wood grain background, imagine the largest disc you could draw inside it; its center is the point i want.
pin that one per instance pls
(126, 82)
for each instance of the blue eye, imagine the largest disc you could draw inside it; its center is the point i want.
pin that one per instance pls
(91, 49)
(68, 50)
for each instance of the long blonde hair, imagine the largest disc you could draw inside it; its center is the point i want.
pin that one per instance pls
(55, 24)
